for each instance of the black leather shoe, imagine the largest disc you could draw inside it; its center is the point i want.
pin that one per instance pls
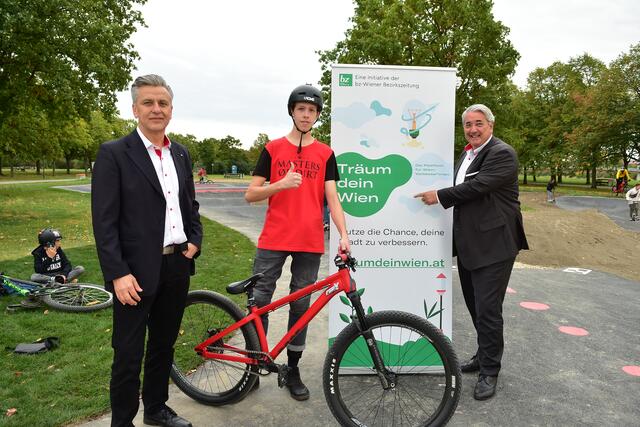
(297, 389)
(166, 417)
(485, 388)
(471, 365)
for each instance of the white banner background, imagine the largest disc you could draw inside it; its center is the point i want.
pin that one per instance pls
(392, 129)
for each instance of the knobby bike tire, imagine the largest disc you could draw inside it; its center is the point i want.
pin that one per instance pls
(425, 370)
(210, 381)
(78, 297)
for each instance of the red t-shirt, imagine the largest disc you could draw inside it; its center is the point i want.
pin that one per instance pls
(294, 217)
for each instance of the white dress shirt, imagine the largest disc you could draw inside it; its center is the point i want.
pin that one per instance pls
(471, 154)
(168, 177)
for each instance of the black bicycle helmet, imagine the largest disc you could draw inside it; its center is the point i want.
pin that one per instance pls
(48, 237)
(305, 93)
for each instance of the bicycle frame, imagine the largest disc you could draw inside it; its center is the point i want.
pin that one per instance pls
(10, 283)
(341, 281)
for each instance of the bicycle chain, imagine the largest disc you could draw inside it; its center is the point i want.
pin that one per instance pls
(262, 353)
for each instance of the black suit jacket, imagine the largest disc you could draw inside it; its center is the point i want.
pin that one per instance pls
(128, 210)
(487, 223)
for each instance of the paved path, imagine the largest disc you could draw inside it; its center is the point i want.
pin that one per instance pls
(569, 339)
(615, 208)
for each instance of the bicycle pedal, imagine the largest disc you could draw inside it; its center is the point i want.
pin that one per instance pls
(30, 303)
(283, 375)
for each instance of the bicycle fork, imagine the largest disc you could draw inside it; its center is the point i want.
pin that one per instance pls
(386, 378)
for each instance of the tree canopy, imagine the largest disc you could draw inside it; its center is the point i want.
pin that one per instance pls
(462, 34)
(61, 62)
(579, 116)
(65, 57)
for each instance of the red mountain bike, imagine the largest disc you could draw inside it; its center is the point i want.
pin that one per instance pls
(385, 368)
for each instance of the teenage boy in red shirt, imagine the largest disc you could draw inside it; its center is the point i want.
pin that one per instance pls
(301, 172)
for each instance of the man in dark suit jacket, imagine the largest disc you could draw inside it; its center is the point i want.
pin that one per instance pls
(487, 235)
(147, 231)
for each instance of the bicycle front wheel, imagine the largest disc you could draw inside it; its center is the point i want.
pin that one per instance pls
(213, 381)
(419, 361)
(78, 297)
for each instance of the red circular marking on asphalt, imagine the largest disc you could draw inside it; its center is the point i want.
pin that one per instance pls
(632, 370)
(534, 305)
(572, 330)
(511, 291)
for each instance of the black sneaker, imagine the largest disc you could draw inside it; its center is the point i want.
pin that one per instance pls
(297, 389)
(165, 417)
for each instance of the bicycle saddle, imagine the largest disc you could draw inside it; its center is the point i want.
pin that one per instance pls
(243, 285)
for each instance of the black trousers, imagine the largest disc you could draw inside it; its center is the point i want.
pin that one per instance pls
(161, 314)
(484, 289)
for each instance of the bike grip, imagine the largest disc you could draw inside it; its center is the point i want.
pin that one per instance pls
(344, 255)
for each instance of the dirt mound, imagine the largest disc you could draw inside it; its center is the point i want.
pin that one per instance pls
(585, 239)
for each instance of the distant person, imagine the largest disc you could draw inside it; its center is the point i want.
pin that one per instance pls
(202, 173)
(301, 171)
(633, 198)
(622, 177)
(551, 198)
(49, 260)
(487, 235)
(147, 230)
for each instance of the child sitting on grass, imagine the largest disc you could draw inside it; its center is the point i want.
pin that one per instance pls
(49, 260)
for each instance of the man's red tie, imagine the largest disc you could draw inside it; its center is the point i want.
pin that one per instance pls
(468, 147)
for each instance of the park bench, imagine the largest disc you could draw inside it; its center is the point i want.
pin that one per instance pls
(601, 182)
(234, 175)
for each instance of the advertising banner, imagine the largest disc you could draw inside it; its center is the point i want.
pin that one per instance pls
(392, 130)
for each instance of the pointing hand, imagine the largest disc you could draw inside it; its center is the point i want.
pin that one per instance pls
(428, 197)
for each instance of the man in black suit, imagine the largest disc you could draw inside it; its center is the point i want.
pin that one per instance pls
(147, 230)
(487, 235)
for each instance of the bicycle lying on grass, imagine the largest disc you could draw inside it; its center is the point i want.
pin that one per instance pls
(76, 297)
(385, 368)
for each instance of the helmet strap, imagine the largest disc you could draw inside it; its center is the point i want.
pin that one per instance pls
(302, 133)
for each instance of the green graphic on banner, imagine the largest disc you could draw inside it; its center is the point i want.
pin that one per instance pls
(366, 184)
(412, 353)
(345, 80)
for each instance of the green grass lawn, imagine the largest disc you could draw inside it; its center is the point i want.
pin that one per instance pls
(571, 187)
(31, 175)
(71, 383)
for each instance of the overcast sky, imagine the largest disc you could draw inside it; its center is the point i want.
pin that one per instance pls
(233, 64)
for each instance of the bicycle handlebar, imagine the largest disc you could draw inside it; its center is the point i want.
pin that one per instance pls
(345, 260)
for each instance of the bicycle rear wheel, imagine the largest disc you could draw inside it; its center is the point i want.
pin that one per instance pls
(211, 381)
(418, 358)
(78, 297)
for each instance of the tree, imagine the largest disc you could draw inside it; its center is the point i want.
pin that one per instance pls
(553, 97)
(439, 33)
(230, 153)
(588, 150)
(206, 151)
(26, 136)
(190, 142)
(65, 57)
(74, 139)
(619, 91)
(513, 125)
(254, 152)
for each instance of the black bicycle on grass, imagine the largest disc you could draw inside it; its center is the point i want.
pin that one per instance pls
(74, 297)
